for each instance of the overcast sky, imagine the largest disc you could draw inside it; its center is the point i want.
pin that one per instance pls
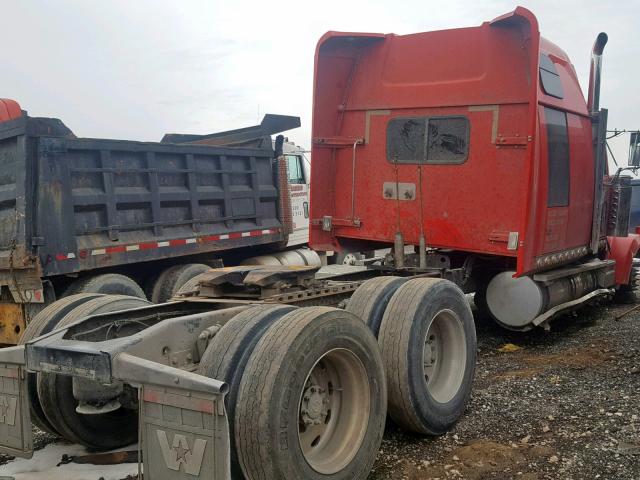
(138, 69)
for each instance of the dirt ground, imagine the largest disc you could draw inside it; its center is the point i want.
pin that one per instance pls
(564, 405)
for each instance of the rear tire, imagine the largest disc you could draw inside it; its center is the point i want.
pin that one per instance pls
(627, 293)
(108, 284)
(227, 355)
(44, 322)
(101, 431)
(169, 282)
(370, 300)
(191, 286)
(312, 400)
(428, 343)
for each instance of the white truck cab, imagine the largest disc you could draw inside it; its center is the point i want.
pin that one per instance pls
(299, 175)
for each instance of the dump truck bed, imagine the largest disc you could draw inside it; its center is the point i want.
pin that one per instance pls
(72, 204)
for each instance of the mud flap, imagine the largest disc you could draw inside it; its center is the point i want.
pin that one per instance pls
(16, 436)
(184, 435)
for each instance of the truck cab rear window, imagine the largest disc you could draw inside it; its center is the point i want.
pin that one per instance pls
(549, 77)
(428, 140)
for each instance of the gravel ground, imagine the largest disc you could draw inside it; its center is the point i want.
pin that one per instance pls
(565, 405)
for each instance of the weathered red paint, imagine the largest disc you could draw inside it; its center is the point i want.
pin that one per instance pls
(490, 75)
(622, 250)
(9, 109)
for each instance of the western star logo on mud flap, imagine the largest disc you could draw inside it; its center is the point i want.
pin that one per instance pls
(8, 407)
(180, 453)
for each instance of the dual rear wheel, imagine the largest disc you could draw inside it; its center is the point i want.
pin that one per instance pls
(427, 339)
(159, 288)
(309, 386)
(307, 394)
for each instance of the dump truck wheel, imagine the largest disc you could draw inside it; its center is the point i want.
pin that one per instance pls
(370, 300)
(42, 323)
(55, 392)
(107, 283)
(228, 353)
(167, 284)
(190, 286)
(428, 344)
(312, 400)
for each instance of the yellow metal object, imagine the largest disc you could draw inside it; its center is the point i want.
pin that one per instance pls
(12, 323)
(509, 348)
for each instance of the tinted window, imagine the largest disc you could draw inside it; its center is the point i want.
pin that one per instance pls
(447, 140)
(635, 194)
(406, 140)
(549, 77)
(296, 173)
(428, 140)
(558, 154)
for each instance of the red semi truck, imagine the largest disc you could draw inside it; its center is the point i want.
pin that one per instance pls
(477, 146)
(473, 145)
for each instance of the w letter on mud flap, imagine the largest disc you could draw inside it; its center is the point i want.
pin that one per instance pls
(180, 453)
(8, 410)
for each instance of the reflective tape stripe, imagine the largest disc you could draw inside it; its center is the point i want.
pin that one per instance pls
(167, 243)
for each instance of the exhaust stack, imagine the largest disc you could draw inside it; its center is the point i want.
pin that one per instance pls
(593, 102)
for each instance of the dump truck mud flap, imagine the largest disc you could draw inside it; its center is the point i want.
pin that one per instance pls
(16, 437)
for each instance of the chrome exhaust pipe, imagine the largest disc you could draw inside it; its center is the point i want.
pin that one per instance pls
(593, 102)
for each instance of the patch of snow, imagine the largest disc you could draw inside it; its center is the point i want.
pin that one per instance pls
(43, 466)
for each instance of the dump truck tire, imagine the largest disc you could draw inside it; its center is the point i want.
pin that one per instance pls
(312, 399)
(191, 286)
(42, 323)
(228, 353)
(108, 284)
(428, 344)
(101, 431)
(167, 284)
(370, 300)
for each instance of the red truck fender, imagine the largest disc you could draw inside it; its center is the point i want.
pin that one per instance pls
(622, 250)
(9, 109)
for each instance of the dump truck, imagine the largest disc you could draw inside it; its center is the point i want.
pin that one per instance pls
(135, 218)
(476, 147)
